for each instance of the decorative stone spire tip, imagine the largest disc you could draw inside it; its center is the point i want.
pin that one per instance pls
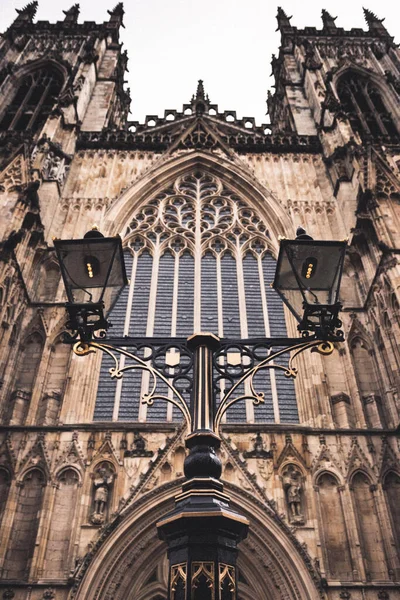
(29, 10)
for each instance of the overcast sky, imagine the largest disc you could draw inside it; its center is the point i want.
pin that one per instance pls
(227, 43)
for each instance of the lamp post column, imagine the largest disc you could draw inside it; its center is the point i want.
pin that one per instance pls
(202, 532)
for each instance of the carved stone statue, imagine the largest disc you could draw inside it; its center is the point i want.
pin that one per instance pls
(292, 483)
(102, 482)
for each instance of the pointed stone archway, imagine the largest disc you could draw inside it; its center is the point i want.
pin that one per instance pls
(129, 562)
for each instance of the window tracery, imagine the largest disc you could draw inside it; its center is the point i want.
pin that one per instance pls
(365, 107)
(33, 100)
(199, 258)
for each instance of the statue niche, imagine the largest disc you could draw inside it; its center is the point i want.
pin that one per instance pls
(103, 479)
(293, 486)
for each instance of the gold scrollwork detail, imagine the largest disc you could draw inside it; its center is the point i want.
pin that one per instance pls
(203, 573)
(325, 348)
(82, 349)
(178, 577)
(117, 371)
(227, 576)
(290, 371)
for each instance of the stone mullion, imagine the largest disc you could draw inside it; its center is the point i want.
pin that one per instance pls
(374, 111)
(42, 537)
(25, 101)
(150, 327)
(174, 321)
(118, 387)
(220, 318)
(219, 297)
(359, 112)
(243, 323)
(38, 107)
(197, 263)
(274, 390)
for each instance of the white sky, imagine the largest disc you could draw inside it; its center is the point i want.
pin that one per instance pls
(227, 43)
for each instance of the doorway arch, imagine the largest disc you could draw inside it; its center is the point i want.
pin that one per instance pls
(128, 562)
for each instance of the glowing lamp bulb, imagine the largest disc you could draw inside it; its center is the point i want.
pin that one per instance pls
(92, 266)
(309, 267)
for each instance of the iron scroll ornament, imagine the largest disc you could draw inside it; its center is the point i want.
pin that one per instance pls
(176, 382)
(235, 364)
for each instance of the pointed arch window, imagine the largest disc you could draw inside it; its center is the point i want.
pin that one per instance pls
(33, 100)
(333, 528)
(25, 526)
(364, 106)
(57, 558)
(391, 485)
(369, 528)
(199, 258)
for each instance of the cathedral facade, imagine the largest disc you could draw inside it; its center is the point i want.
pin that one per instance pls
(200, 199)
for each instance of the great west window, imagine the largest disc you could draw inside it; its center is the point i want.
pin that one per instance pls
(199, 259)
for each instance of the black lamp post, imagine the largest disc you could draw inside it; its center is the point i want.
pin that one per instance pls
(203, 531)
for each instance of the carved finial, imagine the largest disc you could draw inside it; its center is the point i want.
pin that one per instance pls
(328, 20)
(117, 13)
(200, 101)
(374, 24)
(200, 90)
(282, 18)
(27, 13)
(72, 14)
(301, 234)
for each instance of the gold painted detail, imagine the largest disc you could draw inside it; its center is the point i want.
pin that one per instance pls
(83, 349)
(289, 371)
(227, 573)
(202, 570)
(178, 574)
(117, 371)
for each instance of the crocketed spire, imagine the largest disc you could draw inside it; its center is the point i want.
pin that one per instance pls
(328, 20)
(27, 13)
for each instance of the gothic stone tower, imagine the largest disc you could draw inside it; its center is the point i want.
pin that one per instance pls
(200, 198)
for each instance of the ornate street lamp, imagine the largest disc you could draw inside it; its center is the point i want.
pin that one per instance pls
(93, 272)
(307, 279)
(203, 531)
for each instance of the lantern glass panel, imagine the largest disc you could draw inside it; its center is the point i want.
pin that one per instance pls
(309, 271)
(91, 265)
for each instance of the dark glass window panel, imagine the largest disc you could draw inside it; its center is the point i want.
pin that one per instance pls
(230, 297)
(185, 296)
(131, 392)
(254, 307)
(364, 106)
(165, 290)
(209, 303)
(141, 292)
(33, 100)
(276, 314)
